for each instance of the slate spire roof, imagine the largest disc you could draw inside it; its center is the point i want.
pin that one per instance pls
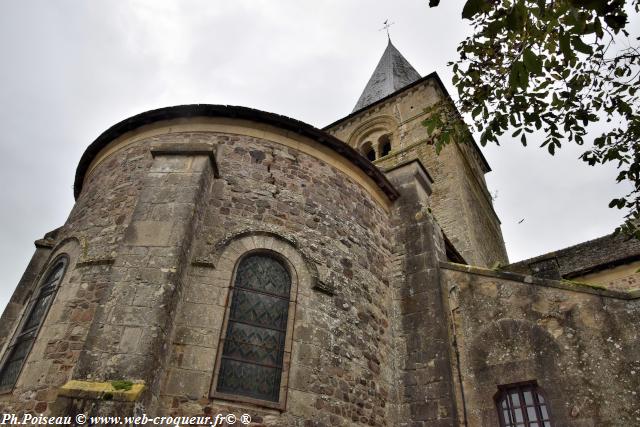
(393, 72)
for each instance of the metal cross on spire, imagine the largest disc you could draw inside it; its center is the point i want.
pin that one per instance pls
(386, 26)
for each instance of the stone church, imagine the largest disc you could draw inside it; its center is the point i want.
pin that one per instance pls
(225, 260)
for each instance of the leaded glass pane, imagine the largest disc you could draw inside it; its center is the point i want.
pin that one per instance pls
(23, 340)
(247, 379)
(259, 309)
(253, 348)
(11, 369)
(254, 344)
(39, 309)
(265, 274)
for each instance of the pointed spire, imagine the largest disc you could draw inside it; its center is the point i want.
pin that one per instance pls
(393, 72)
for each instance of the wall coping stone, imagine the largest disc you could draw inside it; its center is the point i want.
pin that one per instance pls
(550, 283)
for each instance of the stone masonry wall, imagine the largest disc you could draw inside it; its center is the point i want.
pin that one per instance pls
(424, 389)
(286, 201)
(128, 278)
(578, 342)
(90, 237)
(461, 202)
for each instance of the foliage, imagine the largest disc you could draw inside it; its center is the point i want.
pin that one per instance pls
(552, 66)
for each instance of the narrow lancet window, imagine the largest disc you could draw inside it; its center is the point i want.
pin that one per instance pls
(253, 348)
(17, 352)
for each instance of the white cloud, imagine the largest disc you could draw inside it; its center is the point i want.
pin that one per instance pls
(72, 69)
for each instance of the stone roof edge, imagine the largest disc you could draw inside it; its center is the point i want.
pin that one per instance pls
(229, 111)
(434, 75)
(549, 283)
(567, 252)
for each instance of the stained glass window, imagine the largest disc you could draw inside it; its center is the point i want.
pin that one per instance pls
(253, 347)
(18, 351)
(523, 406)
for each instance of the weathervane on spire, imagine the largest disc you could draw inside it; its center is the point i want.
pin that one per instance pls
(386, 27)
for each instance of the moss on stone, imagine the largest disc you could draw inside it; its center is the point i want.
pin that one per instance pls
(590, 285)
(122, 385)
(120, 390)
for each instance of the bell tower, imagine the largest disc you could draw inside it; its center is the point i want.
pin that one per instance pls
(386, 127)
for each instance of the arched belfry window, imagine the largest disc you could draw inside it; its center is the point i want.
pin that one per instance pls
(385, 145)
(368, 151)
(253, 348)
(20, 346)
(522, 405)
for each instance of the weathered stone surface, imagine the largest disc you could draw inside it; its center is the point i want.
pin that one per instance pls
(380, 330)
(577, 345)
(460, 201)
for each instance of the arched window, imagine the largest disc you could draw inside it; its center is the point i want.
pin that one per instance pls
(384, 145)
(251, 363)
(522, 405)
(17, 352)
(368, 151)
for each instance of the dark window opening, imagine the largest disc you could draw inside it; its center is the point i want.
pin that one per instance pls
(368, 151)
(522, 405)
(371, 154)
(17, 353)
(385, 145)
(253, 348)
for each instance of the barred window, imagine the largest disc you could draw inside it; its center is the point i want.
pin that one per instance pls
(17, 352)
(253, 346)
(522, 405)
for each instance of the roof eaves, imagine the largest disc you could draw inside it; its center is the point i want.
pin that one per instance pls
(210, 110)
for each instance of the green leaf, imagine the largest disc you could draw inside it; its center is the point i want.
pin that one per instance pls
(581, 46)
(471, 8)
(523, 139)
(516, 17)
(565, 46)
(523, 75)
(532, 61)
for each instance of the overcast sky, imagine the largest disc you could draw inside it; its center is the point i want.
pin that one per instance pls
(71, 69)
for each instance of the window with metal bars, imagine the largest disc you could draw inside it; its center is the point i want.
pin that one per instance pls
(17, 352)
(253, 346)
(522, 405)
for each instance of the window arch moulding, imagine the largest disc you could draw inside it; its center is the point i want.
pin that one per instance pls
(372, 130)
(302, 280)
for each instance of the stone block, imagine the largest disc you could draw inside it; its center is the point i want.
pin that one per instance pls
(149, 233)
(189, 384)
(130, 340)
